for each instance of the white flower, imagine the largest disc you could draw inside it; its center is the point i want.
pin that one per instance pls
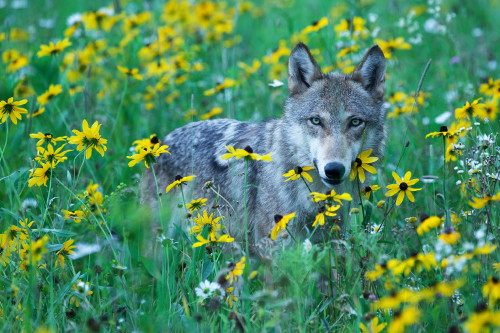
(307, 245)
(276, 83)
(209, 289)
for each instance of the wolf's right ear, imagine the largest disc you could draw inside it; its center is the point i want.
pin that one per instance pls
(371, 72)
(302, 69)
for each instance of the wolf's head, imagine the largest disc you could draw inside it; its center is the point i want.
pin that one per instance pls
(330, 118)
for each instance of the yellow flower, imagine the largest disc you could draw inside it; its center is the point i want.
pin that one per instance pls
(47, 96)
(492, 289)
(11, 109)
(450, 236)
(146, 143)
(408, 316)
(360, 163)
(325, 211)
(228, 83)
(475, 109)
(34, 250)
(75, 215)
(46, 138)
(483, 321)
(66, 250)
(347, 50)
(374, 326)
(402, 187)
(443, 131)
(204, 220)
(39, 176)
(368, 190)
(215, 111)
(194, 205)
(330, 195)
(214, 239)
(4, 250)
(133, 73)
(89, 138)
(274, 57)
(296, 173)
(357, 26)
(250, 69)
(54, 157)
(491, 109)
(428, 224)
(281, 222)
(52, 49)
(148, 155)
(392, 44)
(246, 153)
(179, 180)
(496, 266)
(236, 270)
(315, 26)
(478, 203)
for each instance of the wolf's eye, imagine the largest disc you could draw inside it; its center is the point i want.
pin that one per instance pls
(356, 122)
(316, 121)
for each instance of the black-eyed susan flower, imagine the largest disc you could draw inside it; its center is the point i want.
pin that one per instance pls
(215, 111)
(407, 317)
(212, 238)
(46, 138)
(469, 110)
(489, 87)
(389, 46)
(236, 270)
(356, 25)
(10, 108)
(330, 196)
(250, 69)
(146, 142)
(381, 269)
(428, 224)
(53, 49)
(194, 205)
(483, 320)
(492, 289)
(33, 251)
(325, 211)
(368, 190)
(246, 153)
(296, 173)
(39, 176)
(402, 187)
(315, 26)
(50, 155)
(373, 326)
(443, 132)
(5, 252)
(65, 251)
(449, 236)
(47, 96)
(89, 138)
(36, 113)
(204, 220)
(478, 203)
(280, 224)
(230, 298)
(179, 180)
(130, 72)
(362, 162)
(227, 83)
(75, 215)
(148, 155)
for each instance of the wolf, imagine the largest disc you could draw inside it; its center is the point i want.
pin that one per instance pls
(328, 120)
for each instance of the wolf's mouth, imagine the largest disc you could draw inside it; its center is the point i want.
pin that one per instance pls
(331, 182)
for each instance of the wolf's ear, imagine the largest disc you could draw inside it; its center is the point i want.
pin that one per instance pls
(371, 72)
(302, 69)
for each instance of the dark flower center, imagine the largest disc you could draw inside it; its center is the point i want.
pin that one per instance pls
(358, 162)
(321, 209)
(154, 140)
(368, 189)
(403, 186)
(315, 23)
(178, 177)
(8, 108)
(248, 149)
(277, 218)
(443, 129)
(48, 136)
(298, 170)
(494, 280)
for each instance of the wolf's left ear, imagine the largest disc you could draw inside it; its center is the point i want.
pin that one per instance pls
(371, 72)
(302, 69)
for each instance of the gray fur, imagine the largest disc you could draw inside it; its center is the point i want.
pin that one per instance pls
(293, 140)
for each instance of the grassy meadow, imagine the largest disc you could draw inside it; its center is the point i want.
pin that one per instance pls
(86, 84)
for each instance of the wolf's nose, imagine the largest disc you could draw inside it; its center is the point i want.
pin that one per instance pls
(334, 170)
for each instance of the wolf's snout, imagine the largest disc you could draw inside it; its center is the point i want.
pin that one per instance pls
(334, 170)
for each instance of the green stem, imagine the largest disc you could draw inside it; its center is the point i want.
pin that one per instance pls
(446, 218)
(160, 206)
(246, 216)
(361, 202)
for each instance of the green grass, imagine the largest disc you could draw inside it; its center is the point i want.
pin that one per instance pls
(144, 279)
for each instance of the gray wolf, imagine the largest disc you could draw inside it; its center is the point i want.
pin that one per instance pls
(328, 120)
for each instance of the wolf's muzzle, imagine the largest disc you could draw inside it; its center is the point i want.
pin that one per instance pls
(335, 172)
